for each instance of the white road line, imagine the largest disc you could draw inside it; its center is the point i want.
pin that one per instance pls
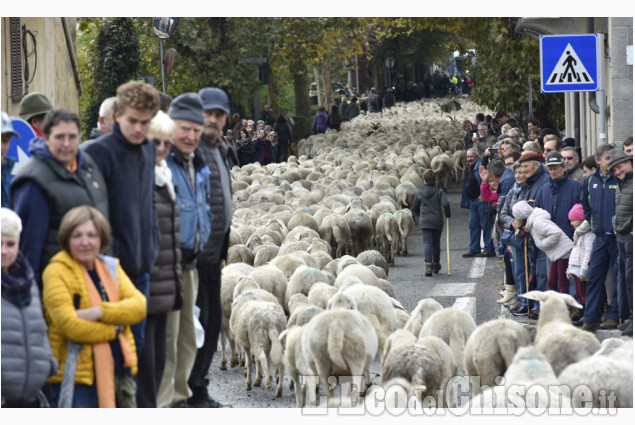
(452, 289)
(478, 268)
(467, 304)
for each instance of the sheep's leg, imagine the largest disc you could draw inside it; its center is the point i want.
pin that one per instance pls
(280, 372)
(295, 382)
(258, 378)
(248, 361)
(234, 347)
(310, 389)
(264, 366)
(223, 359)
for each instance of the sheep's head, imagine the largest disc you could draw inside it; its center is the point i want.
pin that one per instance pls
(343, 301)
(553, 305)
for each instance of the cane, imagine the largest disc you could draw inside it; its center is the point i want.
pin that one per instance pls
(447, 243)
(526, 274)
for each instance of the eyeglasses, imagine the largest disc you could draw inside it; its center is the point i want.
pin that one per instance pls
(158, 142)
(568, 158)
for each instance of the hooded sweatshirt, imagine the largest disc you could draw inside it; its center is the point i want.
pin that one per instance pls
(430, 204)
(547, 236)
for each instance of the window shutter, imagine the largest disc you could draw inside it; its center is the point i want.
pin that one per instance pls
(17, 91)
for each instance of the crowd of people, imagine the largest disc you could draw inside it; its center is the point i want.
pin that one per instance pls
(559, 222)
(112, 251)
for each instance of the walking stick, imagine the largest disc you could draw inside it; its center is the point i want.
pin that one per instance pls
(526, 271)
(447, 243)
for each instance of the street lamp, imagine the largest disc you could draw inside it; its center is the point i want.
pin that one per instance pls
(389, 64)
(164, 28)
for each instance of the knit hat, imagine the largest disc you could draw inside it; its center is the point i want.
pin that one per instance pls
(10, 222)
(618, 156)
(522, 210)
(529, 156)
(214, 98)
(187, 106)
(34, 104)
(7, 127)
(576, 213)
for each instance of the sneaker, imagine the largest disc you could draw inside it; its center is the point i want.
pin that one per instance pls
(534, 314)
(575, 314)
(590, 327)
(608, 324)
(486, 254)
(513, 304)
(470, 254)
(624, 325)
(629, 330)
(578, 322)
(520, 311)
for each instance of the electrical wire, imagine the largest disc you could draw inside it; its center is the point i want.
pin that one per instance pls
(28, 78)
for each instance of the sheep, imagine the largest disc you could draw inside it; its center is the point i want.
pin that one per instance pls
(379, 272)
(287, 264)
(442, 167)
(335, 231)
(237, 268)
(454, 327)
(426, 363)
(405, 194)
(529, 373)
(361, 227)
(302, 219)
(338, 342)
(320, 293)
(257, 326)
(295, 363)
(406, 223)
(373, 303)
(373, 257)
(607, 373)
(301, 310)
(301, 281)
(424, 309)
(240, 254)
(556, 338)
(228, 284)
(271, 279)
(357, 270)
(491, 347)
(387, 236)
(458, 165)
(264, 254)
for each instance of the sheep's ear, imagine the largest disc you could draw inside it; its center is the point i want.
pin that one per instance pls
(534, 295)
(569, 300)
(283, 335)
(397, 304)
(413, 315)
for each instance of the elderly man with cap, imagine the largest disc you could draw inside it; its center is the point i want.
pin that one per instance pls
(33, 108)
(214, 154)
(557, 198)
(191, 179)
(622, 167)
(598, 202)
(7, 162)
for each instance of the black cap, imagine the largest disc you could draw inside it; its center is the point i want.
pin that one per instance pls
(554, 159)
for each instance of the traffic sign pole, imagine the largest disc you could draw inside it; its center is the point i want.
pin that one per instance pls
(602, 99)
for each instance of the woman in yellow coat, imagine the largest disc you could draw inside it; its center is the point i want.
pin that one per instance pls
(89, 300)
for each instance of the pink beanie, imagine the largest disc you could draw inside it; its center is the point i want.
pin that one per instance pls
(576, 213)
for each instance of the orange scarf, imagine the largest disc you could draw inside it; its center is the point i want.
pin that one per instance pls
(102, 354)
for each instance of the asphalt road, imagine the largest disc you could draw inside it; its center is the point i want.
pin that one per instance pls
(474, 286)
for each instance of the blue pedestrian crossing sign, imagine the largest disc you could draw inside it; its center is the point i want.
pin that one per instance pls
(569, 63)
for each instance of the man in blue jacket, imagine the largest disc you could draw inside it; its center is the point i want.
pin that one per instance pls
(126, 159)
(598, 202)
(480, 218)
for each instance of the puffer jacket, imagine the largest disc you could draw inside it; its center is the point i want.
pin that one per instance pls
(581, 252)
(62, 279)
(547, 236)
(27, 360)
(623, 219)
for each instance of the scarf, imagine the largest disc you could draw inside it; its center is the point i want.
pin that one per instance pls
(16, 284)
(163, 177)
(554, 185)
(102, 354)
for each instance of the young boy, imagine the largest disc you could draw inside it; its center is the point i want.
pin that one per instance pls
(430, 204)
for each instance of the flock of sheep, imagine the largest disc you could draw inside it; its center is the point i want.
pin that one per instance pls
(306, 288)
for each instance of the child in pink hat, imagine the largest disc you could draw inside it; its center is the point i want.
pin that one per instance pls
(581, 253)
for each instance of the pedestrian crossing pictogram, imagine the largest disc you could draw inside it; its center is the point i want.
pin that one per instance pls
(569, 69)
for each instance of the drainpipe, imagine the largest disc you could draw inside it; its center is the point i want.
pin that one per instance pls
(71, 53)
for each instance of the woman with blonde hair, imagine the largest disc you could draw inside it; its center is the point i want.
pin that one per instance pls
(89, 300)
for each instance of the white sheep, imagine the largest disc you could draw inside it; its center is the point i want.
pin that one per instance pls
(556, 338)
(301, 310)
(387, 236)
(373, 257)
(361, 227)
(271, 279)
(424, 309)
(406, 224)
(302, 280)
(491, 347)
(320, 293)
(338, 342)
(335, 231)
(296, 365)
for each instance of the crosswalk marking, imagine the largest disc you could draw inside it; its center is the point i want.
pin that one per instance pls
(452, 289)
(467, 304)
(478, 267)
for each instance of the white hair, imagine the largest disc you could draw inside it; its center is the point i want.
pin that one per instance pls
(162, 124)
(10, 222)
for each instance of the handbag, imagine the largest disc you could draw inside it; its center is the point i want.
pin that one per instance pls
(510, 238)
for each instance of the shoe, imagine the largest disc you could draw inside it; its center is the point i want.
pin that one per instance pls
(575, 314)
(629, 330)
(578, 322)
(624, 325)
(486, 254)
(470, 254)
(205, 403)
(428, 269)
(436, 268)
(521, 311)
(533, 314)
(512, 305)
(510, 291)
(608, 324)
(590, 327)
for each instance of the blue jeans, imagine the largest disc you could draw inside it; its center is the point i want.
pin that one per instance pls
(518, 264)
(481, 221)
(603, 256)
(431, 245)
(542, 271)
(625, 275)
(83, 395)
(142, 283)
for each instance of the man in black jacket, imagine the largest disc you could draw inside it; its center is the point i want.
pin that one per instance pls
(214, 152)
